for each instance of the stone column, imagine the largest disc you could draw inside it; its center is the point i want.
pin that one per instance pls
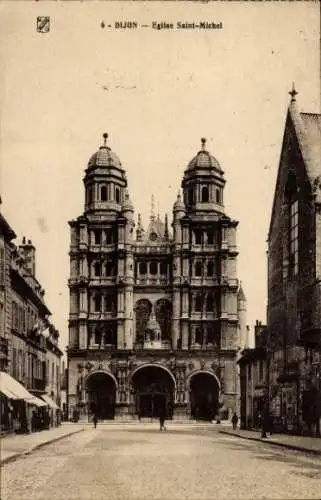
(176, 317)
(83, 341)
(185, 333)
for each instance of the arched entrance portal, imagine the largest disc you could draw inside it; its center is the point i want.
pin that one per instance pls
(204, 396)
(101, 390)
(154, 392)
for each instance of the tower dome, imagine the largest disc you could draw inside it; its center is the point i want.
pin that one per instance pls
(104, 157)
(204, 159)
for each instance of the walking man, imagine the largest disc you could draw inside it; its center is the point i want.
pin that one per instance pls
(162, 419)
(235, 420)
(95, 419)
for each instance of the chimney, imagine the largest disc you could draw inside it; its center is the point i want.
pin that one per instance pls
(28, 252)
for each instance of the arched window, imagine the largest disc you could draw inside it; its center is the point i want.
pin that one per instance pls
(163, 311)
(109, 236)
(153, 268)
(190, 196)
(198, 336)
(198, 237)
(198, 302)
(103, 193)
(205, 194)
(291, 195)
(142, 268)
(97, 268)
(142, 312)
(98, 336)
(97, 303)
(210, 268)
(218, 195)
(210, 237)
(110, 303)
(210, 302)
(294, 237)
(97, 236)
(163, 268)
(117, 195)
(109, 268)
(198, 269)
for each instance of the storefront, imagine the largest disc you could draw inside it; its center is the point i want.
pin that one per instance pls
(53, 411)
(17, 405)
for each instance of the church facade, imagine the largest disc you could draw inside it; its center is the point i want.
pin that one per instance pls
(157, 315)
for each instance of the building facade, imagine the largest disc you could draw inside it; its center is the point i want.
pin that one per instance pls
(253, 380)
(156, 316)
(294, 274)
(28, 340)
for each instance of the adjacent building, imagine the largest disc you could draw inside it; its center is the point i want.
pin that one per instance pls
(157, 315)
(253, 380)
(294, 274)
(30, 355)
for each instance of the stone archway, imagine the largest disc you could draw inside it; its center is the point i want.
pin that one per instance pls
(153, 387)
(204, 392)
(101, 395)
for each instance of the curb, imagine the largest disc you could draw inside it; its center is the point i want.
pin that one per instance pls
(37, 447)
(274, 443)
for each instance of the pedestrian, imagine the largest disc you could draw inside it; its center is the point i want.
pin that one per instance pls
(95, 420)
(162, 419)
(235, 420)
(271, 424)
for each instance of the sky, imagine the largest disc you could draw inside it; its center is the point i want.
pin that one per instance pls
(156, 93)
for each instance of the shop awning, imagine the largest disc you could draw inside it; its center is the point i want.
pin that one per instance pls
(11, 388)
(35, 401)
(50, 402)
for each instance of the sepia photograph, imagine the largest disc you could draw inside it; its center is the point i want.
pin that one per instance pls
(160, 250)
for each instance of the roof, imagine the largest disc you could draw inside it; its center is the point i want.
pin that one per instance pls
(6, 229)
(155, 231)
(240, 293)
(312, 146)
(104, 157)
(307, 128)
(204, 159)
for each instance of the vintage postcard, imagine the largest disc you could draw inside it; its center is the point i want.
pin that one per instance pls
(160, 249)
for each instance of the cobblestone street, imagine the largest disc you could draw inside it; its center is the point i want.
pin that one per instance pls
(139, 462)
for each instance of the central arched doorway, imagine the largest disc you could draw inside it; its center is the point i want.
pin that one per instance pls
(101, 389)
(204, 396)
(154, 390)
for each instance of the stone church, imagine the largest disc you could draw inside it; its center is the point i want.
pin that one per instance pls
(157, 315)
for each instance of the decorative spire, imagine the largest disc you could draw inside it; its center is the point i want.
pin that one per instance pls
(166, 227)
(158, 218)
(152, 212)
(293, 93)
(105, 136)
(203, 141)
(140, 229)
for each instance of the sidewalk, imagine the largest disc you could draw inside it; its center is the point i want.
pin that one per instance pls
(17, 445)
(300, 443)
